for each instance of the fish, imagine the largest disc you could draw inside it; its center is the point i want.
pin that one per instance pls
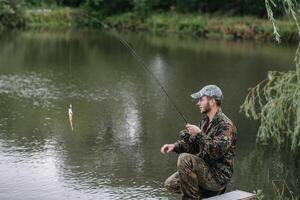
(71, 117)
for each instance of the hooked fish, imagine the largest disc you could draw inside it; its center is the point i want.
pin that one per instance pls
(71, 117)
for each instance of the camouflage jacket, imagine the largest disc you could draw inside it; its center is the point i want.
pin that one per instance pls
(215, 144)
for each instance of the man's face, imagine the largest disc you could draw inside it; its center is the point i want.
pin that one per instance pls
(204, 104)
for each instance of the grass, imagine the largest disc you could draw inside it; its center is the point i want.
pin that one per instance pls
(281, 191)
(248, 28)
(51, 18)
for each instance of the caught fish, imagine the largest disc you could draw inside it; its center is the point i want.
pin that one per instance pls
(71, 117)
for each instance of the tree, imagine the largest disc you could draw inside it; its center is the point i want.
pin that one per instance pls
(275, 101)
(11, 15)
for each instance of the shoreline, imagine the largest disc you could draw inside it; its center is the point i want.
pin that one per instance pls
(191, 25)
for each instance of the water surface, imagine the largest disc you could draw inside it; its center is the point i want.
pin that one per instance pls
(121, 117)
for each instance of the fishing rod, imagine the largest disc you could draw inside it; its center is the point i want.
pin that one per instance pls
(141, 62)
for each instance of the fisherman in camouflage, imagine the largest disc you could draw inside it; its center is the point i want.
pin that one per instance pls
(205, 163)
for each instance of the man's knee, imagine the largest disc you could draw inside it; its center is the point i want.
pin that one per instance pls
(183, 160)
(186, 160)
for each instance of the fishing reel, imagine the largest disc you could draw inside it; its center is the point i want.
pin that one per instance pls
(184, 135)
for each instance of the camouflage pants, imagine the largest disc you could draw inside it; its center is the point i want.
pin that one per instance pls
(193, 175)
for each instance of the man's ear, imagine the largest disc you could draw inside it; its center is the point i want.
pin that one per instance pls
(212, 102)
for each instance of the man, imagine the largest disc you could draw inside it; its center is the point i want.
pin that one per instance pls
(205, 163)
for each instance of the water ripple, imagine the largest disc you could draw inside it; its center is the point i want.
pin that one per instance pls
(30, 86)
(44, 92)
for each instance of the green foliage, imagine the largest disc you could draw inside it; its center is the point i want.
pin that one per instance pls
(141, 7)
(108, 7)
(53, 3)
(71, 3)
(97, 10)
(40, 3)
(231, 7)
(276, 100)
(11, 15)
(146, 7)
(282, 191)
(42, 18)
(130, 21)
(259, 195)
(176, 23)
(201, 25)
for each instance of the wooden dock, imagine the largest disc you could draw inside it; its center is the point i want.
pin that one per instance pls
(234, 195)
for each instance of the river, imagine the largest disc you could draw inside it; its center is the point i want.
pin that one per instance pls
(121, 116)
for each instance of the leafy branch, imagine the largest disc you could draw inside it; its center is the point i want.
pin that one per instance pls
(275, 101)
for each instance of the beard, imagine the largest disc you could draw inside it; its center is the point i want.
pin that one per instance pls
(206, 109)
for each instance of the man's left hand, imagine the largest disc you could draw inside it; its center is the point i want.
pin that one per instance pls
(193, 129)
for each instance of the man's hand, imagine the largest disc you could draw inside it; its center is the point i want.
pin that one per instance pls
(193, 129)
(167, 148)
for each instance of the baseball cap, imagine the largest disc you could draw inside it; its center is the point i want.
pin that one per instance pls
(210, 91)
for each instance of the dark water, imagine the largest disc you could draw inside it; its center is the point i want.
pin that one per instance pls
(121, 117)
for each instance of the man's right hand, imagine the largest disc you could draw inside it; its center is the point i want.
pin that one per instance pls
(167, 148)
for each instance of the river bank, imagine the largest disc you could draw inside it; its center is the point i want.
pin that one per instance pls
(222, 27)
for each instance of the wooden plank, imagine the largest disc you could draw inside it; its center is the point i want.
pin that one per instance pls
(234, 195)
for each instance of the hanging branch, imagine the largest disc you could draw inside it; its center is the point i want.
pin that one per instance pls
(276, 100)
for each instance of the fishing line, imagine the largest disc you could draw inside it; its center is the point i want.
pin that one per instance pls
(70, 112)
(141, 62)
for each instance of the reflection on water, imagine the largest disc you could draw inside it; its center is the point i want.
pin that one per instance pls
(121, 116)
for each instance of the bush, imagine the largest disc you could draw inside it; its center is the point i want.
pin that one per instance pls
(47, 3)
(109, 7)
(145, 7)
(11, 15)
